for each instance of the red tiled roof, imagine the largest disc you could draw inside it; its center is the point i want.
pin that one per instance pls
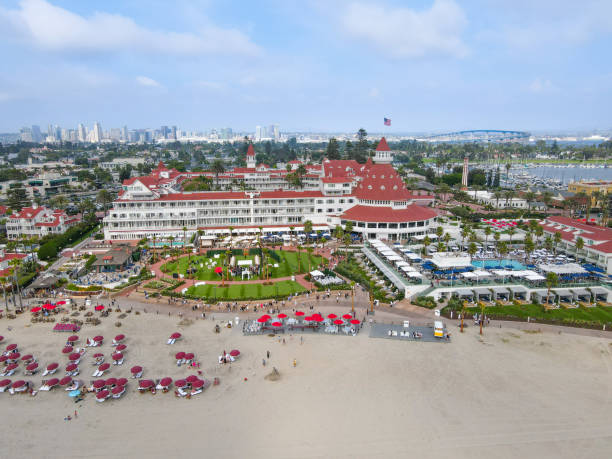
(336, 179)
(604, 247)
(381, 183)
(387, 214)
(341, 167)
(28, 213)
(12, 256)
(218, 195)
(250, 150)
(382, 145)
(594, 232)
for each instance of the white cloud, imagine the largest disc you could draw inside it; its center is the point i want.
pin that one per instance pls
(146, 81)
(50, 27)
(405, 33)
(541, 85)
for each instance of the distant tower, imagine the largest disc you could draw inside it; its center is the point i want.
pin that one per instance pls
(464, 176)
(250, 157)
(383, 154)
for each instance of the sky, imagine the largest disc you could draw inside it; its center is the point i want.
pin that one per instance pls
(307, 65)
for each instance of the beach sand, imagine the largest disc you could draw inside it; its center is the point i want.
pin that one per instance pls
(509, 394)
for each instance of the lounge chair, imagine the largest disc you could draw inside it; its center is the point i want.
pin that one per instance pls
(137, 375)
(181, 392)
(171, 341)
(97, 373)
(195, 392)
(8, 373)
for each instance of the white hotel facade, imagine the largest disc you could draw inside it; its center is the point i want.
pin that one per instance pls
(372, 196)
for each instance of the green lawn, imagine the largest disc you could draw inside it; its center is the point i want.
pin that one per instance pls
(597, 314)
(287, 265)
(245, 291)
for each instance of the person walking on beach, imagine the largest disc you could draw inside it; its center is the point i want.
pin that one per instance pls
(294, 363)
(268, 354)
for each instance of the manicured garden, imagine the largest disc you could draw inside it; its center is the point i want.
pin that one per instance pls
(281, 264)
(246, 292)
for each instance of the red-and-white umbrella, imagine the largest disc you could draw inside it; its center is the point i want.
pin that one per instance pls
(74, 356)
(122, 381)
(308, 319)
(338, 322)
(5, 382)
(65, 381)
(197, 384)
(218, 270)
(27, 357)
(263, 319)
(235, 353)
(99, 307)
(117, 356)
(98, 339)
(11, 347)
(135, 370)
(18, 384)
(332, 316)
(53, 382)
(72, 367)
(67, 350)
(52, 366)
(355, 321)
(104, 367)
(277, 324)
(102, 394)
(117, 390)
(180, 383)
(165, 382)
(99, 384)
(145, 384)
(175, 335)
(179, 355)
(189, 356)
(347, 316)
(32, 366)
(97, 355)
(119, 338)
(36, 309)
(282, 316)
(3, 358)
(121, 348)
(48, 306)
(73, 339)
(60, 302)
(12, 366)
(111, 382)
(191, 378)
(300, 313)
(14, 356)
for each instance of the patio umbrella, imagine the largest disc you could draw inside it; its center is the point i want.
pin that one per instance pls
(300, 313)
(52, 366)
(235, 353)
(3, 358)
(60, 303)
(12, 366)
(72, 367)
(282, 316)
(277, 324)
(53, 382)
(197, 384)
(5, 382)
(218, 270)
(99, 307)
(11, 347)
(27, 357)
(347, 316)
(355, 321)
(332, 316)
(318, 319)
(65, 381)
(135, 370)
(191, 378)
(122, 381)
(14, 356)
(74, 356)
(1, 338)
(189, 356)
(19, 383)
(99, 384)
(263, 319)
(36, 309)
(180, 383)
(102, 394)
(67, 350)
(175, 335)
(165, 382)
(121, 348)
(338, 322)
(145, 384)
(72, 338)
(32, 366)
(48, 306)
(104, 367)
(117, 390)
(97, 355)
(117, 356)
(98, 339)
(308, 319)
(111, 382)
(179, 355)
(119, 338)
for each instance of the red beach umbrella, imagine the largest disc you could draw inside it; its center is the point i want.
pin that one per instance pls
(135, 370)
(32, 366)
(97, 355)
(308, 319)
(180, 383)
(282, 316)
(175, 335)
(111, 382)
(5, 382)
(60, 303)
(332, 316)
(18, 384)
(263, 319)
(48, 306)
(12, 366)
(67, 350)
(1, 338)
(235, 353)
(14, 356)
(300, 313)
(191, 378)
(99, 384)
(117, 390)
(121, 348)
(347, 316)
(73, 338)
(52, 366)
(165, 382)
(119, 338)
(99, 307)
(74, 356)
(65, 381)
(72, 367)
(104, 367)
(197, 384)
(145, 383)
(355, 321)
(189, 356)
(53, 382)
(218, 270)
(122, 381)
(11, 347)
(98, 339)
(318, 318)
(277, 324)
(117, 356)
(338, 321)
(102, 394)
(27, 357)
(36, 309)
(179, 355)
(3, 358)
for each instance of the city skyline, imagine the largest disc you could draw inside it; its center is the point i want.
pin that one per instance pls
(312, 66)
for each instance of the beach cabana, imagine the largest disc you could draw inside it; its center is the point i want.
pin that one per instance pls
(464, 293)
(501, 293)
(539, 295)
(581, 294)
(518, 292)
(482, 294)
(600, 293)
(563, 295)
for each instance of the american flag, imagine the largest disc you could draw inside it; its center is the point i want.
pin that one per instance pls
(387, 121)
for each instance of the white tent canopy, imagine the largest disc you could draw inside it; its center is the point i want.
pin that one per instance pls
(317, 273)
(451, 260)
(567, 268)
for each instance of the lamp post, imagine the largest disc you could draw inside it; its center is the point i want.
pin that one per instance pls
(353, 297)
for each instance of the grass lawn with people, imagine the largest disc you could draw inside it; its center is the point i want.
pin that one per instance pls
(245, 291)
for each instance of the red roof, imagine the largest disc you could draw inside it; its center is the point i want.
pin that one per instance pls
(387, 214)
(250, 150)
(381, 183)
(3, 210)
(336, 179)
(593, 232)
(28, 213)
(605, 247)
(341, 168)
(12, 256)
(217, 195)
(382, 145)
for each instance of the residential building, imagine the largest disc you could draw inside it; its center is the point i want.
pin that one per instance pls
(590, 188)
(38, 221)
(487, 198)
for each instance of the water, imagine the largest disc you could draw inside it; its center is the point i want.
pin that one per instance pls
(166, 244)
(505, 264)
(569, 174)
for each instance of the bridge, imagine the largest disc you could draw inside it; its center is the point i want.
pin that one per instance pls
(478, 135)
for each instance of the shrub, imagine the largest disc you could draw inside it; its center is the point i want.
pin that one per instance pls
(47, 251)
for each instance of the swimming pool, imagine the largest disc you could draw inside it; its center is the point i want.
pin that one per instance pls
(504, 264)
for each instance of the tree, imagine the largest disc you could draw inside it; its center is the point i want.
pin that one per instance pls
(508, 167)
(503, 249)
(579, 245)
(299, 257)
(348, 227)
(360, 152)
(338, 232)
(347, 241)
(125, 172)
(439, 231)
(59, 201)
(333, 152)
(440, 246)
(465, 232)
(308, 227)
(529, 246)
(511, 232)
(556, 239)
(104, 197)
(530, 198)
(472, 249)
(217, 168)
(487, 233)
(47, 251)
(551, 281)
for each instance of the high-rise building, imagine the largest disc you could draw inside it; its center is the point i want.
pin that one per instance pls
(97, 133)
(81, 133)
(124, 134)
(25, 134)
(274, 132)
(226, 133)
(36, 134)
(165, 132)
(173, 133)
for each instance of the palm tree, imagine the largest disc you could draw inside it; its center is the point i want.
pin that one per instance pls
(548, 243)
(298, 249)
(551, 281)
(440, 246)
(4, 283)
(426, 242)
(217, 168)
(539, 232)
(509, 195)
(465, 232)
(529, 246)
(200, 234)
(556, 240)
(508, 167)
(497, 237)
(347, 241)
(502, 249)
(308, 227)
(231, 234)
(579, 245)
(498, 195)
(472, 249)
(511, 232)
(446, 238)
(309, 250)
